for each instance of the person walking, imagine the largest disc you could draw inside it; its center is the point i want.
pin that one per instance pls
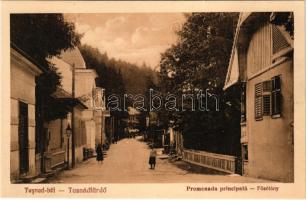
(99, 152)
(152, 159)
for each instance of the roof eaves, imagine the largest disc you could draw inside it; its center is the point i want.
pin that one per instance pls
(23, 53)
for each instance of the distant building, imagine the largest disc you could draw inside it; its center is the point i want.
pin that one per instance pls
(93, 119)
(22, 153)
(262, 60)
(156, 130)
(100, 115)
(85, 85)
(133, 117)
(132, 122)
(56, 148)
(89, 122)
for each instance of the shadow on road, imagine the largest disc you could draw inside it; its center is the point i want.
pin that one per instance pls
(191, 168)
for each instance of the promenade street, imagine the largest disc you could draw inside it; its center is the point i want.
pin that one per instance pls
(127, 162)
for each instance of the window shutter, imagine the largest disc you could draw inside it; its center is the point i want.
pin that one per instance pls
(279, 41)
(276, 84)
(258, 101)
(276, 95)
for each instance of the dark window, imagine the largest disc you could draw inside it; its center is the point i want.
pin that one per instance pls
(245, 152)
(266, 104)
(258, 101)
(276, 95)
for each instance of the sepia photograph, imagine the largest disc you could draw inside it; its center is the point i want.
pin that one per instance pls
(152, 97)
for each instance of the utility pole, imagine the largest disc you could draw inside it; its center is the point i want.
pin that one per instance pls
(72, 119)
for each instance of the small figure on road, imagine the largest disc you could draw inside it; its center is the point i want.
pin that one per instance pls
(152, 159)
(99, 152)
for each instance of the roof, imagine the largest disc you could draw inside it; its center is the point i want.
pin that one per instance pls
(62, 95)
(246, 21)
(29, 58)
(232, 75)
(74, 57)
(83, 71)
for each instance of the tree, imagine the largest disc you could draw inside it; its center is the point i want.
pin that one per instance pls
(109, 77)
(42, 35)
(199, 61)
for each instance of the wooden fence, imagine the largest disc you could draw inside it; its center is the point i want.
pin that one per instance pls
(224, 163)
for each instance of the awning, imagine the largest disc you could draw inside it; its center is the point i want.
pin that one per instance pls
(61, 93)
(63, 96)
(72, 102)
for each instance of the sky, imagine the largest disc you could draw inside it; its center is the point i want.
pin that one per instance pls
(136, 38)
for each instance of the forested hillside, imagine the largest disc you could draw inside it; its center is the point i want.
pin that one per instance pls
(118, 76)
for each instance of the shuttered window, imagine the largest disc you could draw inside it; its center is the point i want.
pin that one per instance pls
(276, 96)
(266, 87)
(268, 98)
(258, 101)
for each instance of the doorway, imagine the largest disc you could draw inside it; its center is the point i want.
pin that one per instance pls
(23, 138)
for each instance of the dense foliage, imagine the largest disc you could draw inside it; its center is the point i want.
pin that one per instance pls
(42, 35)
(285, 19)
(113, 73)
(199, 61)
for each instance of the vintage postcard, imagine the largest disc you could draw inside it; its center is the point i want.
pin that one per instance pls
(164, 99)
